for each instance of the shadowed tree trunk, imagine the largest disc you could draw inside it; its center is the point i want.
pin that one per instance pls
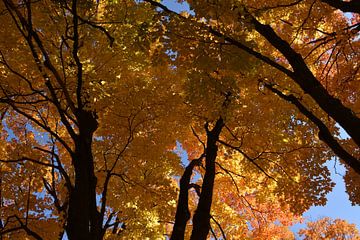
(182, 211)
(345, 6)
(83, 216)
(201, 219)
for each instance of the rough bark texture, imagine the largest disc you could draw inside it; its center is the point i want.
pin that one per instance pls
(201, 219)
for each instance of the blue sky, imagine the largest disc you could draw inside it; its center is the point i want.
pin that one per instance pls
(338, 204)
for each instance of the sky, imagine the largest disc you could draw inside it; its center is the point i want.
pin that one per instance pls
(338, 204)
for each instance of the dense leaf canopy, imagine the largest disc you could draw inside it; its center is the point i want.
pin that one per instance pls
(100, 101)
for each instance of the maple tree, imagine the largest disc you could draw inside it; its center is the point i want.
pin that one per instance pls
(326, 228)
(70, 79)
(95, 94)
(219, 23)
(301, 35)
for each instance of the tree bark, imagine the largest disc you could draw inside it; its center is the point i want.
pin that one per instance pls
(83, 215)
(324, 133)
(201, 219)
(352, 6)
(310, 85)
(182, 215)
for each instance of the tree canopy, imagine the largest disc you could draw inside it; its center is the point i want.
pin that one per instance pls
(100, 101)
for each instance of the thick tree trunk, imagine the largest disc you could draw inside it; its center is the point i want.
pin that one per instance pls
(83, 215)
(201, 219)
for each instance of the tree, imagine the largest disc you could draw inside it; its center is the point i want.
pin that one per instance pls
(270, 160)
(326, 228)
(313, 55)
(217, 28)
(83, 120)
(94, 96)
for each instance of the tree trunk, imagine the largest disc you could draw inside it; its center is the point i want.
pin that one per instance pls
(182, 211)
(83, 216)
(201, 219)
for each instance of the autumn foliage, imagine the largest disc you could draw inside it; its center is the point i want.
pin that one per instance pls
(326, 228)
(133, 120)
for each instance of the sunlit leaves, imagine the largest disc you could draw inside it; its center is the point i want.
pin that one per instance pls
(150, 79)
(326, 228)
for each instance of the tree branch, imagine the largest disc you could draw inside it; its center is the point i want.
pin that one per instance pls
(345, 6)
(324, 133)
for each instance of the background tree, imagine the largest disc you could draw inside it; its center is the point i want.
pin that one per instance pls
(217, 30)
(326, 228)
(84, 121)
